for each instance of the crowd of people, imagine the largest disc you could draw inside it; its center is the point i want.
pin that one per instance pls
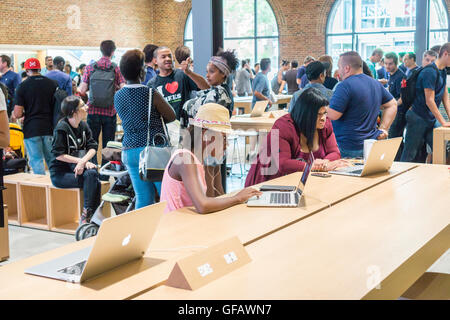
(63, 113)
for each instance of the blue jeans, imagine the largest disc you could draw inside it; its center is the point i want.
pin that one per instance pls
(144, 190)
(107, 125)
(38, 149)
(397, 129)
(88, 181)
(351, 154)
(418, 132)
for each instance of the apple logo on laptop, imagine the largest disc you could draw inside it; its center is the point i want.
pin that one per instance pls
(126, 240)
(382, 157)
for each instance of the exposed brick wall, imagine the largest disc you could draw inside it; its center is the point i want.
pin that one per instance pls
(169, 22)
(44, 22)
(134, 23)
(301, 23)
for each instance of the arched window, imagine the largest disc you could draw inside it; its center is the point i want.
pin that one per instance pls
(363, 25)
(250, 28)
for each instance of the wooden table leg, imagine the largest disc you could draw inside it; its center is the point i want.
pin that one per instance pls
(439, 150)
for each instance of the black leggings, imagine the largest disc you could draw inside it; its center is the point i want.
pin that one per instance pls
(89, 181)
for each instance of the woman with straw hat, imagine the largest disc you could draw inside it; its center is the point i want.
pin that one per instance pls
(192, 176)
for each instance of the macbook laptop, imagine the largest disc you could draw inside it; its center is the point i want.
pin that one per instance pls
(257, 111)
(120, 239)
(380, 159)
(284, 198)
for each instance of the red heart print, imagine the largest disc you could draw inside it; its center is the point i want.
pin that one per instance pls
(172, 87)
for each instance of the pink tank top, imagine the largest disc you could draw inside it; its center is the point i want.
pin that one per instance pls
(174, 191)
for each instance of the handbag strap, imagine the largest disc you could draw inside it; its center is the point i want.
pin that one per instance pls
(150, 98)
(150, 103)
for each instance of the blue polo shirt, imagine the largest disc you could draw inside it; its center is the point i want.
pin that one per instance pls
(300, 74)
(395, 86)
(12, 81)
(63, 79)
(260, 84)
(358, 98)
(427, 79)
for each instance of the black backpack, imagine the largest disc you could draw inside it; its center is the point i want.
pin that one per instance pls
(58, 96)
(408, 89)
(102, 86)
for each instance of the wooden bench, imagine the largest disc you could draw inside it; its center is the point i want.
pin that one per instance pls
(36, 203)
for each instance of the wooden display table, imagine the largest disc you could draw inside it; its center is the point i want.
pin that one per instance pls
(440, 137)
(36, 203)
(384, 236)
(264, 123)
(245, 103)
(182, 233)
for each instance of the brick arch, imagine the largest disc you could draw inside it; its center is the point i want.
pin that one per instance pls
(187, 7)
(323, 16)
(279, 14)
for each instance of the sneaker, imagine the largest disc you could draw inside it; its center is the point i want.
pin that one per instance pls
(86, 216)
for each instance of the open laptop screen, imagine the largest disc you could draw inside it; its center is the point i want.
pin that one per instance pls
(306, 172)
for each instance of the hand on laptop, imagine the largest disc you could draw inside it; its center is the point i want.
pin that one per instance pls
(247, 193)
(384, 135)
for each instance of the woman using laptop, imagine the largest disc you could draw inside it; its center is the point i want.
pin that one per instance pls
(306, 129)
(73, 148)
(192, 176)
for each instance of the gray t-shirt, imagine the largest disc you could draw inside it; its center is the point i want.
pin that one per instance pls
(243, 84)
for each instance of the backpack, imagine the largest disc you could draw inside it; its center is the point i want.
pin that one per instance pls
(58, 96)
(102, 86)
(408, 88)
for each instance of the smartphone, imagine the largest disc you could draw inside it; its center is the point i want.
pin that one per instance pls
(278, 188)
(321, 175)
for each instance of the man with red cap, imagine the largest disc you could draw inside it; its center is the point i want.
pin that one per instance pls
(34, 101)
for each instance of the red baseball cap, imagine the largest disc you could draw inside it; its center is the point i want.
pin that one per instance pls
(32, 64)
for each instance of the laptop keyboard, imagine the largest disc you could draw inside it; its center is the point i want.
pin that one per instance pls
(280, 198)
(351, 170)
(76, 269)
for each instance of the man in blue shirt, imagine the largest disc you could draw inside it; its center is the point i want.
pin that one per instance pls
(383, 74)
(261, 86)
(410, 63)
(402, 67)
(48, 65)
(395, 86)
(150, 62)
(424, 115)
(10, 79)
(64, 81)
(316, 73)
(302, 80)
(376, 57)
(355, 106)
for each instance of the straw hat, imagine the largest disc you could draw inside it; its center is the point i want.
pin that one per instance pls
(214, 117)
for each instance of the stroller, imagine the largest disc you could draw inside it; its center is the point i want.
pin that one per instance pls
(120, 195)
(14, 160)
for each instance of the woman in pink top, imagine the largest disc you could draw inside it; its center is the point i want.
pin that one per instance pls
(306, 129)
(188, 181)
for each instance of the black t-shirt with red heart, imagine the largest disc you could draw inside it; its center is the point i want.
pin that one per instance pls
(175, 88)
